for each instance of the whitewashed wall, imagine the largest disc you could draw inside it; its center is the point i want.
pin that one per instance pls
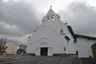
(49, 32)
(84, 47)
(53, 40)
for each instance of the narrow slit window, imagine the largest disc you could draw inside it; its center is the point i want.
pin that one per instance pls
(61, 32)
(64, 48)
(76, 52)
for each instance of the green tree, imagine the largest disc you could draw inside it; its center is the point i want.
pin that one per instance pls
(21, 51)
(94, 49)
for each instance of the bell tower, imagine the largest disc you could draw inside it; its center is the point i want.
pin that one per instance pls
(50, 16)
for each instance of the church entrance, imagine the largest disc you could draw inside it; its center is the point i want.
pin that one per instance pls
(44, 51)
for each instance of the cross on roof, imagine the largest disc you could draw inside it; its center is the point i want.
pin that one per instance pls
(50, 6)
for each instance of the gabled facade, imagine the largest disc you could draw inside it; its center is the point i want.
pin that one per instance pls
(55, 37)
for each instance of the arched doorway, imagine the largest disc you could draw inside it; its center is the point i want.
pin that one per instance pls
(43, 49)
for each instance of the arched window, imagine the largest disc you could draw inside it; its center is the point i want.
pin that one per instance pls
(64, 48)
(61, 32)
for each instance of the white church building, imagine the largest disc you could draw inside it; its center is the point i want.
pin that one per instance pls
(55, 37)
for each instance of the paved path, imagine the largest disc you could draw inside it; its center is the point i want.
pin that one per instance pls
(20, 59)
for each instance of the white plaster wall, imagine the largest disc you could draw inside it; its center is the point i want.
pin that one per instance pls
(51, 31)
(58, 25)
(52, 38)
(71, 47)
(84, 47)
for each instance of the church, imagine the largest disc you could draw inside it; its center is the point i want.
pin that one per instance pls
(53, 37)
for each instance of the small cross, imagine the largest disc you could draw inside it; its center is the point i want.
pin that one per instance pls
(50, 6)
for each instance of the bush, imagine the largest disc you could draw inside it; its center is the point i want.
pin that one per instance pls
(94, 49)
(20, 51)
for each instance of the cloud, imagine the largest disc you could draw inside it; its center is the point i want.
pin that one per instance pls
(19, 14)
(17, 19)
(8, 29)
(81, 17)
(15, 40)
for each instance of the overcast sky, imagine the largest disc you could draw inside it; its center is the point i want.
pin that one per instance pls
(19, 18)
